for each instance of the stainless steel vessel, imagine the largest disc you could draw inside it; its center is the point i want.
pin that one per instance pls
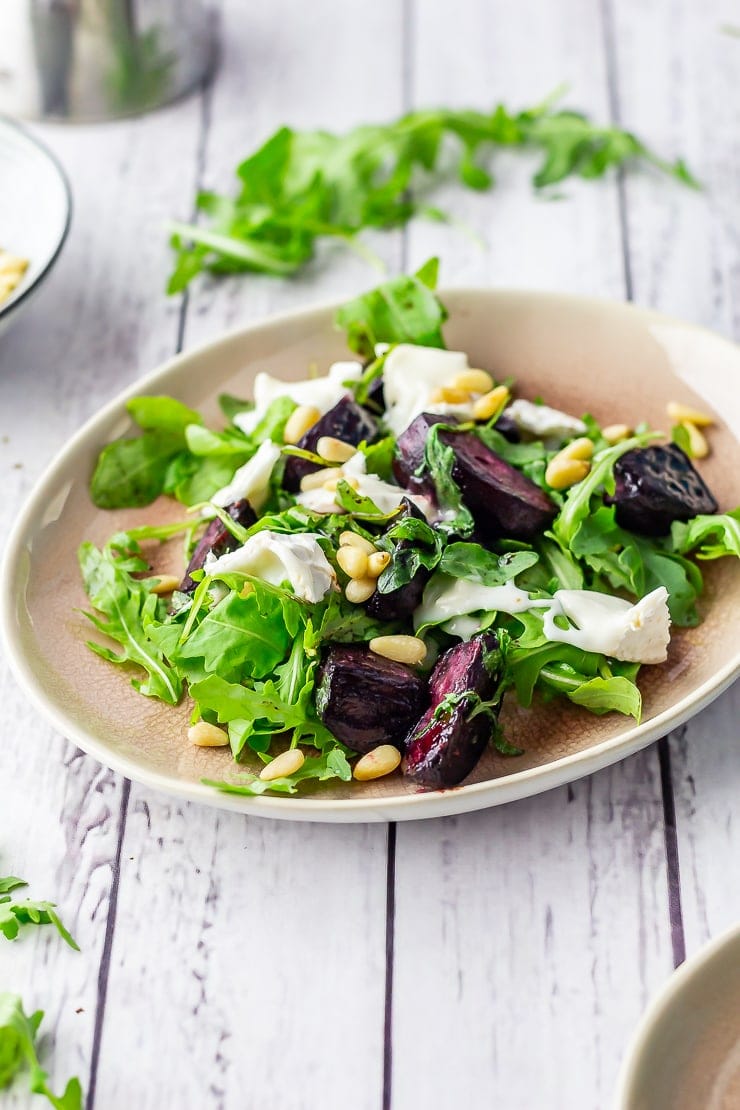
(98, 59)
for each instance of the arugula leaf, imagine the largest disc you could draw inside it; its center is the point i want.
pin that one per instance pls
(331, 764)
(300, 186)
(710, 537)
(403, 310)
(473, 562)
(439, 460)
(127, 606)
(18, 1046)
(15, 914)
(412, 544)
(132, 472)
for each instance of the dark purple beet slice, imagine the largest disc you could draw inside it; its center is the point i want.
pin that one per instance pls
(441, 753)
(503, 501)
(347, 421)
(217, 539)
(376, 395)
(367, 700)
(410, 452)
(401, 602)
(655, 486)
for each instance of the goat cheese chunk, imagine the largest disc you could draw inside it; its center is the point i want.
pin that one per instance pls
(277, 558)
(251, 481)
(411, 375)
(543, 422)
(385, 496)
(321, 393)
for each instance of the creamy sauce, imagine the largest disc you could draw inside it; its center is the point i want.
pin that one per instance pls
(276, 558)
(322, 393)
(597, 622)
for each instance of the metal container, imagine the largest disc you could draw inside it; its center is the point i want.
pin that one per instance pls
(98, 59)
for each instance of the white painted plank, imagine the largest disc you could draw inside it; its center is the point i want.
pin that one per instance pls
(257, 950)
(100, 318)
(528, 938)
(676, 73)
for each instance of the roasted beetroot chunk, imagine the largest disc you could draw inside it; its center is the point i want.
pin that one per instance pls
(367, 700)
(347, 421)
(401, 602)
(217, 539)
(440, 753)
(410, 446)
(503, 501)
(655, 486)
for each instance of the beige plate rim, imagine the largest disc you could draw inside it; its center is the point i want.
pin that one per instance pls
(659, 1007)
(440, 803)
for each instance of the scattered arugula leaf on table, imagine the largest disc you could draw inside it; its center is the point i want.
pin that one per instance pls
(15, 913)
(302, 186)
(18, 1032)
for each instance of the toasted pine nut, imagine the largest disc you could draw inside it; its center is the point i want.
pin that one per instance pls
(353, 561)
(681, 413)
(377, 563)
(380, 761)
(474, 381)
(335, 450)
(451, 395)
(332, 483)
(204, 735)
(402, 649)
(697, 441)
(316, 479)
(351, 539)
(166, 584)
(490, 403)
(562, 473)
(581, 448)
(359, 590)
(287, 763)
(299, 422)
(614, 433)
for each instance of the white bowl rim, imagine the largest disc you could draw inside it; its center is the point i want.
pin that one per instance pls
(661, 1003)
(437, 803)
(33, 140)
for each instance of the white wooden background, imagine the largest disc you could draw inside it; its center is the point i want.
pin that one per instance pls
(498, 959)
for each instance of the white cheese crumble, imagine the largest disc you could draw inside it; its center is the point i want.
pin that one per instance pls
(321, 393)
(543, 422)
(411, 375)
(251, 481)
(276, 558)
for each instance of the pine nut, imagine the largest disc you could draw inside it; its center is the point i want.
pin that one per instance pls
(681, 413)
(204, 735)
(698, 445)
(332, 483)
(287, 763)
(490, 403)
(299, 422)
(380, 761)
(474, 381)
(351, 539)
(562, 473)
(377, 563)
(359, 590)
(316, 479)
(581, 448)
(401, 649)
(353, 561)
(615, 433)
(335, 450)
(166, 584)
(451, 395)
